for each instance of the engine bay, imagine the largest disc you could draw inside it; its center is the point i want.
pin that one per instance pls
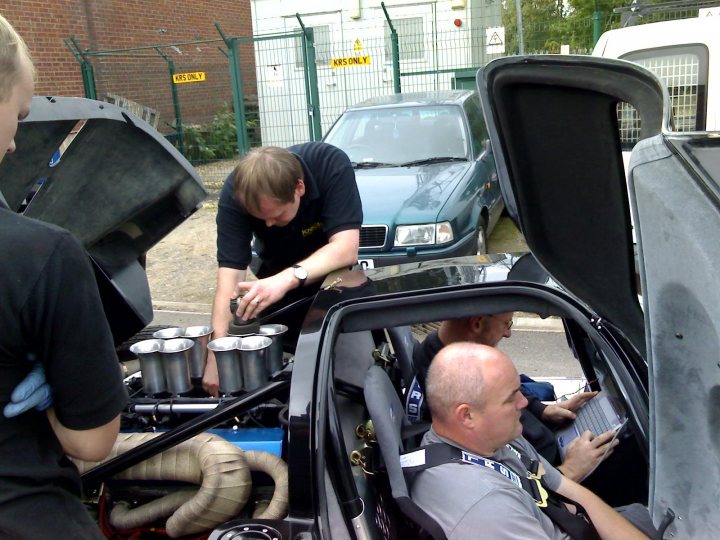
(185, 462)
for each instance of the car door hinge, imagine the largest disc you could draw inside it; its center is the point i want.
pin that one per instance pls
(668, 518)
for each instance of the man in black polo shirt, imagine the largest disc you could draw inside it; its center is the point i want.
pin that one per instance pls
(303, 207)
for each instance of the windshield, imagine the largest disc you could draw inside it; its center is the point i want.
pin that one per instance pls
(401, 135)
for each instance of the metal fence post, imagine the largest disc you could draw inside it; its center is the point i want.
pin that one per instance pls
(243, 144)
(311, 81)
(314, 91)
(238, 98)
(175, 100)
(521, 36)
(596, 18)
(306, 77)
(395, 47)
(88, 78)
(86, 68)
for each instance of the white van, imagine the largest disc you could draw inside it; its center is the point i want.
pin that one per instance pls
(684, 54)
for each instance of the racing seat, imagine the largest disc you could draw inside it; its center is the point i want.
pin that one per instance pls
(388, 418)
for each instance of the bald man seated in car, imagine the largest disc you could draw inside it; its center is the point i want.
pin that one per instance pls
(478, 474)
(538, 419)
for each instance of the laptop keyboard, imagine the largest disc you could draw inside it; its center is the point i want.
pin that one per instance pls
(591, 417)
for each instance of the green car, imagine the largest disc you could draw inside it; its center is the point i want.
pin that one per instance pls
(426, 175)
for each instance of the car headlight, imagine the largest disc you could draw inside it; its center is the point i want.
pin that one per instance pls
(423, 235)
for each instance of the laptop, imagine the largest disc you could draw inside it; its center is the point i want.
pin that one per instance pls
(597, 415)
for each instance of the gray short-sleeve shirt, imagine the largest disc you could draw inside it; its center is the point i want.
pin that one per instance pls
(471, 501)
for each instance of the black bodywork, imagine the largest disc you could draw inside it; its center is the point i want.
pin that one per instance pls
(110, 179)
(322, 386)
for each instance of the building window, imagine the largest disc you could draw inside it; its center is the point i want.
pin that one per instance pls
(323, 47)
(411, 39)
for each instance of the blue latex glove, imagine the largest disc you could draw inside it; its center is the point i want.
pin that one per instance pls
(33, 391)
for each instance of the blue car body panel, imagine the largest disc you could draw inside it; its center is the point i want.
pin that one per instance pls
(457, 184)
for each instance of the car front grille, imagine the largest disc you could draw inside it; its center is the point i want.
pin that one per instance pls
(373, 236)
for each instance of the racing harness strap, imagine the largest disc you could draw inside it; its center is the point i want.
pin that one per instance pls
(414, 401)
(577, 526)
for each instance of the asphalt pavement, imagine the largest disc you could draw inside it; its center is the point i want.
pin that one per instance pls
(506, 238)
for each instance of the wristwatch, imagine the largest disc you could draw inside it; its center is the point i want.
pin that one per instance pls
(300, 274)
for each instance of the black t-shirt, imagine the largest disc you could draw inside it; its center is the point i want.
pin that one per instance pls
(50, 311)
(331, 204)
(423, 354)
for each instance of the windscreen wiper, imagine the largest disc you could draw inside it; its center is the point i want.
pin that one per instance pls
(372, 164)
(429, 161)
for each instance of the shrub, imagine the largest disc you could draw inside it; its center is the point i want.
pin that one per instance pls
(215, 140)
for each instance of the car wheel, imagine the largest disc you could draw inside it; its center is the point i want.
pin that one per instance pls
(481, 236)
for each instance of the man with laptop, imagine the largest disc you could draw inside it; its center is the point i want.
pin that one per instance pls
(475, 472)
(598, 415)
(574, 451)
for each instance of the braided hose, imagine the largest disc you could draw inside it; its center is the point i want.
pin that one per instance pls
(221, 469)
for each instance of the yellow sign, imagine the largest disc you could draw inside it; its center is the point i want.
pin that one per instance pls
(350, 61)
(180, 78)
(358, 46)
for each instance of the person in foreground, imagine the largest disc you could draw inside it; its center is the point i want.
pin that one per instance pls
(302, 207)
(538, 418)
(475, 400)
(50, 314)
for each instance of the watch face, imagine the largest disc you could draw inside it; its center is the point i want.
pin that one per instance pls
(300, 273)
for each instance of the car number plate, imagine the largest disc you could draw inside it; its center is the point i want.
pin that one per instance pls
(366, 263)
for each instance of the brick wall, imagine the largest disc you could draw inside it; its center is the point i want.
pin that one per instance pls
(43, 25)
(141, 76)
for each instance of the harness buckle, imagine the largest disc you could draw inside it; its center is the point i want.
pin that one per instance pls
(540, 494)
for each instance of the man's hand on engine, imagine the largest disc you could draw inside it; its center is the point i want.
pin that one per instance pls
(32, 392)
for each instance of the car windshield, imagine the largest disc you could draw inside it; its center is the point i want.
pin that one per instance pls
(401, 136)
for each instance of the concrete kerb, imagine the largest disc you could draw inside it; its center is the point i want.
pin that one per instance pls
(528, 323)
(523, 322)
(186, 307)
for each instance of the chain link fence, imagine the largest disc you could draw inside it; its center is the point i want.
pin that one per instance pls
(185, 91)
(283, 89)
(289, 82)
